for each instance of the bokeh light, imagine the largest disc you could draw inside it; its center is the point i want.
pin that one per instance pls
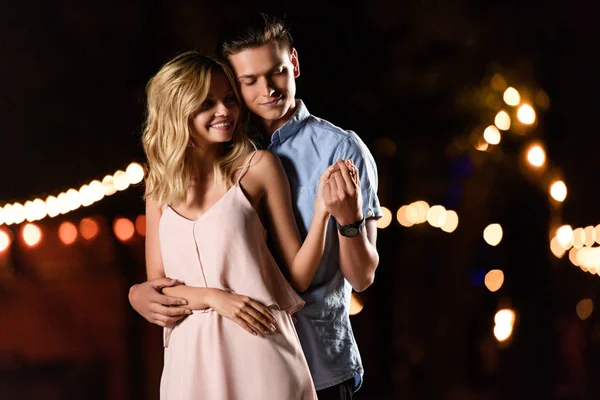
(491, 134)
(502, 121)
(565, 236)
(140, 224)
(512, 97)
(436, 216)
(356, 304)
(492, 234)
(5, 240)
(584, 309)
(134, 173)
(123, 229)
(558, 191)
(526, 114)
(536, 156)
(88, 228)
(494, 280)
(32, 235)
(67, 233)
(382, 222)
(451, 221)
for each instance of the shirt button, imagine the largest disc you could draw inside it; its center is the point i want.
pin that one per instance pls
(369, 213)
(301, 191)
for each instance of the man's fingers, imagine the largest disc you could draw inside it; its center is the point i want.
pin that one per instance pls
(160, 283)
(171, 300)
(172, 311)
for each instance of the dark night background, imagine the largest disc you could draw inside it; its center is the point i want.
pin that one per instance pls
(413, 80)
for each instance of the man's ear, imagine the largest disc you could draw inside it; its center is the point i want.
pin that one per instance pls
(295, 63)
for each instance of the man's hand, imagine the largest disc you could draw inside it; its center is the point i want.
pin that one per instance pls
(343, 198)
(157, 308)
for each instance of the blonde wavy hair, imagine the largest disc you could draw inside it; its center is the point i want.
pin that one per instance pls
(175, 94)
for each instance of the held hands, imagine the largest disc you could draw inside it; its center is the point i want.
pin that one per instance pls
(251, 315)
(339, 192)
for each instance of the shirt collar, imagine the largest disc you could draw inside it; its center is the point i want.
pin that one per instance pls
(293, 125)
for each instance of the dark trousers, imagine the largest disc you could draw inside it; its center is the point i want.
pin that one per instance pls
(342, 391)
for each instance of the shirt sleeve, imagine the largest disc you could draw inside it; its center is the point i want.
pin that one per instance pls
(355, 149)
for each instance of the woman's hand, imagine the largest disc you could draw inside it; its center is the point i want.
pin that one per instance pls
(251, 315)
(323, 187)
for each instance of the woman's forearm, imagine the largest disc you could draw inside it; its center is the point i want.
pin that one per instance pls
(198, 298)
(309, 256)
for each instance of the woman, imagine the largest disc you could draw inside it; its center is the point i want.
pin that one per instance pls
(209, 194)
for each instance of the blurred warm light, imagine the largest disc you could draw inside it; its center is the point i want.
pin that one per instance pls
(356, 304)
(40, 209)
(32, 235)
(67, 233)
(8, 215)
(493, 234)
(558, 191)
(597, 229)
(526, 114)
(97, 190)
(494, 280)
(512, 97)
(29, 211)
(498, 83)
(88, 228)
(451, 221)
(505, 316)
(412, 214)
(542, 99)
(536, 156)
(584, 309)
(63, 203)
(578, 238)
(120, 180)
(134, 173)
(502, 121)
(73, 199)
(491, 134)
(590, 236)
(422, 208)
(565, 236)
(53, 206)
(382, 222)
(482, 145)
(109, 185)
(140, 223)
(86, 195)
(504, 320)
(5, 240)
(556, 248)
(403, 218)
(1, 215)
(502, 332)
(18, 212)
(436, 216)
(573, 256)
(124, 229)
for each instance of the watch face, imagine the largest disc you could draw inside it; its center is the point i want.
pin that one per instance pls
(350, 232)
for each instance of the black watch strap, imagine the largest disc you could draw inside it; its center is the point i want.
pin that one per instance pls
(352, 230)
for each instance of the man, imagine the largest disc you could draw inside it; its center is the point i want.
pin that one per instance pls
(266, 65)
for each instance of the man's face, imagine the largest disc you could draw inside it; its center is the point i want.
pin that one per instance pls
(266, 76)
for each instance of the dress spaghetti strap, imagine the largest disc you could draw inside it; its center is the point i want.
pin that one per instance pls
(246, 166)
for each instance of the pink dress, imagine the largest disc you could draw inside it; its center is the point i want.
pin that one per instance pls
(208, 356)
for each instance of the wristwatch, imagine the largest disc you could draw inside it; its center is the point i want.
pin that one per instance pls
(352, 230)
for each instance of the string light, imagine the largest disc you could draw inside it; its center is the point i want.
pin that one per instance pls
(526, 114)
(71, 199)
(492, 234)
(558, 191)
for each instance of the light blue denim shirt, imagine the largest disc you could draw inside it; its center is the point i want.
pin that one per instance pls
(306, 146)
